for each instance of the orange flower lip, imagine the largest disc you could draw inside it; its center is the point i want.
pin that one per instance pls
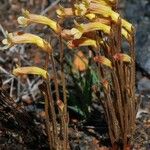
(27, 38)
(103, 60)
(29, 18)
(30, 70)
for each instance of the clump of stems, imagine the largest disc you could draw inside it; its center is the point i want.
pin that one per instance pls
(99, 27)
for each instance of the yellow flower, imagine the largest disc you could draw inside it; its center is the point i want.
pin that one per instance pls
(29, 18)
(30, 70)
(122, 57)
(103, 60)
(76, 33)
(128, 26)
(90, 16)
(80, 61)
(22, 38)
(84, 28)
(126, 35)
(82, 42)
(103, 10)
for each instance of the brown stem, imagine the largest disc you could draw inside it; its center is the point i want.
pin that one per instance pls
(47, 121)
(57, 94)
(52, 112)
(65, 114)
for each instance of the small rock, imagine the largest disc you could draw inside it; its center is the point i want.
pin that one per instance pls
(144, 84)
(27, 99)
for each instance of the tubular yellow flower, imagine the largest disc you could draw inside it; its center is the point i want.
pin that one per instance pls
(30, 70)
(126, 35)
(104, 11)
(81, 42)
(84, 28)
(13, 39)
(103, 60)
(122, 57)
(128, 26)
(29, 18)
(76, 33)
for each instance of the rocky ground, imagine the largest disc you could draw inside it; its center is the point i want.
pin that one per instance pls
(83, 135)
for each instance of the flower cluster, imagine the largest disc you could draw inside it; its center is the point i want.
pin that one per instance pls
(99, 15)
(22, 38)
(100, 29)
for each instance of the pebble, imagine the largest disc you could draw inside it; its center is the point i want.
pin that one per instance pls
(144, 84)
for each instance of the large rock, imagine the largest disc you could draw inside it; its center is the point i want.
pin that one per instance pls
(138, 12)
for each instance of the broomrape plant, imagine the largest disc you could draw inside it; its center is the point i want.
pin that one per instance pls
(99, 28)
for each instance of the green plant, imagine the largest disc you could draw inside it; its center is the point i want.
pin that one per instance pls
(101, 31)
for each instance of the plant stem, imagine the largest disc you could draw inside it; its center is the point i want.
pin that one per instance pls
(52, 112)
(65, 114)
